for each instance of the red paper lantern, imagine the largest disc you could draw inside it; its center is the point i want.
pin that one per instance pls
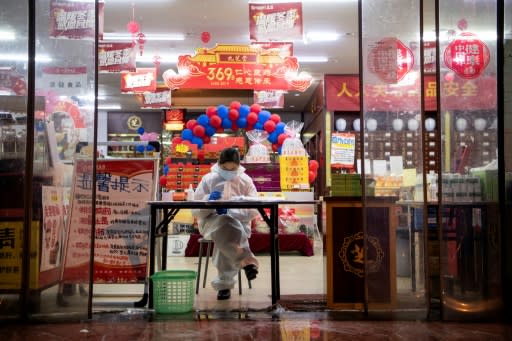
(133, 27)
(233, 114)
(269, 126)
(252, 118)
(205, 37)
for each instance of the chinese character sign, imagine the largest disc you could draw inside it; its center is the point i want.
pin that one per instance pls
(143, 80)
(74, 19)
(294, 172)
(275, 21)
(343, 147)
(122, 221)
(65, 81)
(390, 60)
(467, 56)
(116, 57)
(53, 227)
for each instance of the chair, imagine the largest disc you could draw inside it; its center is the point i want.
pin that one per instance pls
(209, 243)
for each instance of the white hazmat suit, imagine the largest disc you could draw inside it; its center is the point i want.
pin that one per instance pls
(230, 231)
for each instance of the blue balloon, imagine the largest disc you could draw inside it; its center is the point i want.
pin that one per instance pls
(39, 126)
(244, 110)
(241, 122)
(166, 169)
(150, 148)
(209, 131)
(264, 116)
(222, 111)
(226, 123)
(140, 148)
(140, 130)
(203, 120)
(272, 137)
(187, 134)
(280, 128)
(279, 150)
(258, 125)
(198, 141)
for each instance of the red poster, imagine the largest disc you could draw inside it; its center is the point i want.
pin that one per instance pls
(237, 67)
(75, 20)
(342, 94)
(143, 80)
(269, 99)
(160, 99)
(122, 221)
(174, 115)
(116, 57)
(275, 21)
(467, 56)
(390, 60)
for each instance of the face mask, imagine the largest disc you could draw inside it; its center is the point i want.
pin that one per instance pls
(227, 175)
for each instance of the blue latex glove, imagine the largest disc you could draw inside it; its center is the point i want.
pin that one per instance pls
(215, 195)
(221, 211)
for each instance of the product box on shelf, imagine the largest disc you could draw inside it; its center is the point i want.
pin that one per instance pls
(266, 177)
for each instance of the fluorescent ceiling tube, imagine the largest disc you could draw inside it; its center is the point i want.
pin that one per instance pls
(322, 36)
(312, 59)
(23, 57)
(7, 36)
(148, 36)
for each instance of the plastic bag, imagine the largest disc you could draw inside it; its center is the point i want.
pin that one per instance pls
(258, 152)
(293, 145)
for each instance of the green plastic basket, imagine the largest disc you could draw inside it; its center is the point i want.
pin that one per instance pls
(173, 291)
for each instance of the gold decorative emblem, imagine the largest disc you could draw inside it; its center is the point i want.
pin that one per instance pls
(352, 254)
(134, 122)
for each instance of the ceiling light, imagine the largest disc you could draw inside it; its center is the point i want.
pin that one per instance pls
(312, 59)
(148, 36)
(164, 58)
(109, 107)
(23, 57)
(7, 35)
(321, 36)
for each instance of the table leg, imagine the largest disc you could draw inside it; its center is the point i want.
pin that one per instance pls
(275, 223)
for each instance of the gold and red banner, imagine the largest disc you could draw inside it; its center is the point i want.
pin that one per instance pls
(159, 99)
(116, 57)
(275, 21)
(75, 20)
(342, 94)
(140, 81)
(237, 67)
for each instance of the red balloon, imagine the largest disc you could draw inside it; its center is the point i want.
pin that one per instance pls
(312, 176)
(206, 139)
(281, 138)
(211, 111)
(215, 121)
(275, 147)
(219, 130)
(176, 140)
(235, 105)
(249, 127)
(163, 180)
(269, 126)
(233, 114)
(234, 127)
(198, 130)
(256, 108)
(168, 160)
(313, 165)
(276, 118)
(191, 124)
(252, 118)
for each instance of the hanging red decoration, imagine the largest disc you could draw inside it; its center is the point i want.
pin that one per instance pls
(141, 39)
(205, 37)
(133, 27)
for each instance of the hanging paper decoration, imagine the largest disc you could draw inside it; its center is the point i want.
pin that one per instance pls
(205, 37)
(141, 39)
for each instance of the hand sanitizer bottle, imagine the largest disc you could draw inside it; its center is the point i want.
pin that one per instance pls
(190, 193)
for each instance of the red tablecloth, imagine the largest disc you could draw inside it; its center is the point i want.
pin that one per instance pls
(260, 242)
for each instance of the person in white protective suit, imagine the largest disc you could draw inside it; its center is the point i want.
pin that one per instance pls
(228, 228)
